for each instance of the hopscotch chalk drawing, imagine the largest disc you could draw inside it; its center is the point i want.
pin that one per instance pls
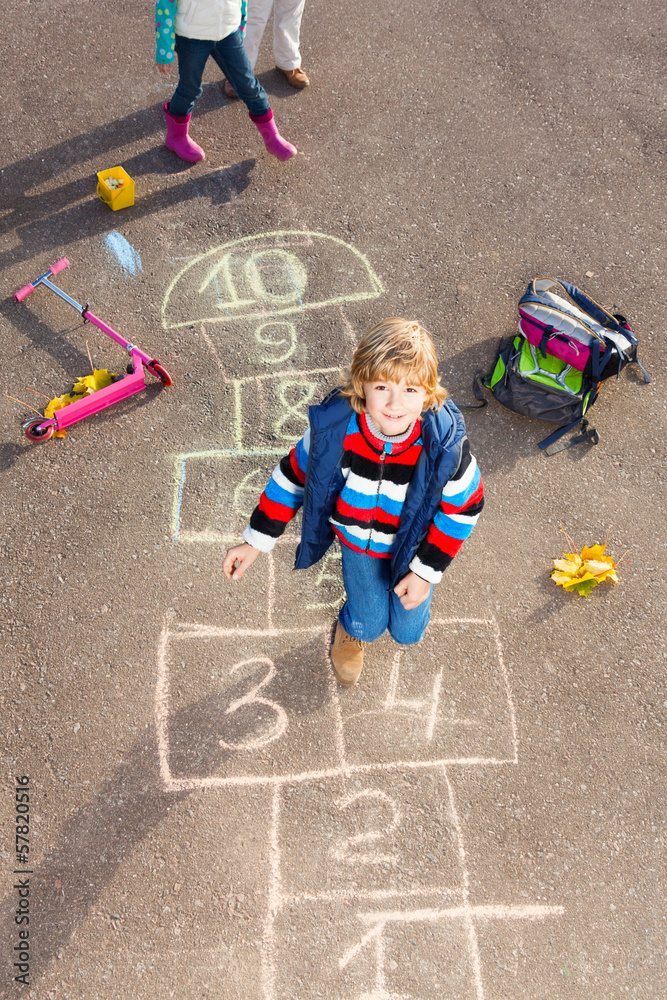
(210, 513)
(363, 778)
(375, 805)
(254, 284)
(266, 276)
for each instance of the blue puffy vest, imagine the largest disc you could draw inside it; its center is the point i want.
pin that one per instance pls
(443, 434)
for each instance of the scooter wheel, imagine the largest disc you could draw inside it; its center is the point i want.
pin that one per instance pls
(33, 434)
(160, 372)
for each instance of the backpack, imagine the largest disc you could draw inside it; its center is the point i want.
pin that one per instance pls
(567, 345)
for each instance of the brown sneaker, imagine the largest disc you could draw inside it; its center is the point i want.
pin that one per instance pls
(229, 91)
(347, 656)
(296, 77)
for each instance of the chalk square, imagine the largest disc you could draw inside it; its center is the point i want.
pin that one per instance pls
(271, 411)
(313, 596)
(361, 953)
(445, 699)
(242, 706)
(217, 492)
(386, 836)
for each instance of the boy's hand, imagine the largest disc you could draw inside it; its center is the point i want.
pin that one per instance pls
(238, 560)
(164, 67)
(412, 591)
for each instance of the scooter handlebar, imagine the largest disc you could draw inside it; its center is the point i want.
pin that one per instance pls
(23, 292)
(59, 265)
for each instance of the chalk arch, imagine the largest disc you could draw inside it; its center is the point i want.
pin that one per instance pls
(268, 275)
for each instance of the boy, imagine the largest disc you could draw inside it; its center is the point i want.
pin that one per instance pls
(386, 467)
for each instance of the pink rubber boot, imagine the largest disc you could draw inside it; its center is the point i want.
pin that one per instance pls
(274, 142)
(178, 139)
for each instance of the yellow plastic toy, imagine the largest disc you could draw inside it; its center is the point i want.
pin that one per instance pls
(116, 188)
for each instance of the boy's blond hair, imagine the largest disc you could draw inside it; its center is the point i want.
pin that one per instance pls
(395, 349)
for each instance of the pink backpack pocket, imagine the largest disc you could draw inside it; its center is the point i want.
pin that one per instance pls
(550, 340)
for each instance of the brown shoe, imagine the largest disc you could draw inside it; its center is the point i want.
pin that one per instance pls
(347, 656)
(296, 77)
(229, 91)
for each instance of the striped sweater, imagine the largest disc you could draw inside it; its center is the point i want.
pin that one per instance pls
(368, 509)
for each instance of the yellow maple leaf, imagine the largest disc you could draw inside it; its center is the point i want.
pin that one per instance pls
(60, 401)
(598, 566)
(581, 577)
(582, 571)
(569, 564)
(99, 379)
(593, 552)
(83, 387)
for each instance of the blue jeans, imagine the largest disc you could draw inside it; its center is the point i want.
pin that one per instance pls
(372, 606)
(231, 57)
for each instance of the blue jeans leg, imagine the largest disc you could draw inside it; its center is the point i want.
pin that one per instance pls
(192, 55)
(408, 627)
(372, 607)
(232, 58)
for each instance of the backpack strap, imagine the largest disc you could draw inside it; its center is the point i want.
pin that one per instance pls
(550, 446)
(478, 384)
(546, 336)
(644, 372)
(598, 365)
(548, 441)
(599, 314)
(634, 360)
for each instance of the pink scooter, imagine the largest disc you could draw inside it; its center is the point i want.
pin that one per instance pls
(42, 429)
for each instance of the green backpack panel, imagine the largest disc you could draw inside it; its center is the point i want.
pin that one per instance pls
(540, 385)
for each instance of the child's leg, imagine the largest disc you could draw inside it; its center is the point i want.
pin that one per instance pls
(232, 58)
(408, 627)
(365, 614)
(192, 55)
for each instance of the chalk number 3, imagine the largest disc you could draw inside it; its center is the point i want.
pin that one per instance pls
(253, 697)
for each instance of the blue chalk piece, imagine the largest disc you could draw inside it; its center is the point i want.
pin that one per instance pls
(124, 252)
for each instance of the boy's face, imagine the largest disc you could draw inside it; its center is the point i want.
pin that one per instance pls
(393, 406)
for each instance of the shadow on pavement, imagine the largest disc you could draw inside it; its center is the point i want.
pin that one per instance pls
(44, 339)
(10, 452)
(51, 219)
(132, 802)
(488, 426)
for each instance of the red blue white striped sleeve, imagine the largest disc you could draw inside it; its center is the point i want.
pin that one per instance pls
(281, 499)
(460, 505)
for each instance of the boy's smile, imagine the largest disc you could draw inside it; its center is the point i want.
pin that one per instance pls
(394, 406)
